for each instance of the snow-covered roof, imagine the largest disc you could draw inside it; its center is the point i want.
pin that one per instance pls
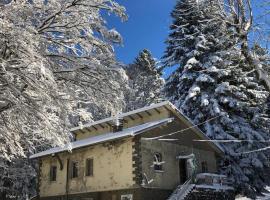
(203, 175)
(123, 115)
(215, 187)
(129, 132)
(148, 110)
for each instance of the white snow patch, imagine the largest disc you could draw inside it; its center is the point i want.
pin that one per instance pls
(266, 195)
(205, 78)
(193, 92)
(215, 187)
(192, 61)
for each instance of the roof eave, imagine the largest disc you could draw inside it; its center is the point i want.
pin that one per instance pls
(75, 148)
(88, 125)
(128, 134)
(216, 147)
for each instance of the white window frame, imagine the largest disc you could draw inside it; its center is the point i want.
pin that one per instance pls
(127, 197)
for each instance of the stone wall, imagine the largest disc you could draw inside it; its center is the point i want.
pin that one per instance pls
(138, 194)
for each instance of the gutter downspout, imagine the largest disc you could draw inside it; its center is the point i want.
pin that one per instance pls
(67, 179)
(39, 178)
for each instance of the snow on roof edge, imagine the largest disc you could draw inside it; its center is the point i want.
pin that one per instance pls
(122, 115)
(198, 129)
(129, 132)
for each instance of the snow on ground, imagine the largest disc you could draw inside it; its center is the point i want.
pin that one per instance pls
(265, 197)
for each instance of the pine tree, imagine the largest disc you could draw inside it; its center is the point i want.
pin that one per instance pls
(214, 84)
(145, 81)
(263, 55)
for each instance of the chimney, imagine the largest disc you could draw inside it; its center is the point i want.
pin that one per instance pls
(118, 124)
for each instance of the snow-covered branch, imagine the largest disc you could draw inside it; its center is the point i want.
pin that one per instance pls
(56, 65)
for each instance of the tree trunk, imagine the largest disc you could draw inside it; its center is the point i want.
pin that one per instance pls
(256, 64)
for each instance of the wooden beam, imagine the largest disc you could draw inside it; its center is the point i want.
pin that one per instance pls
(95, 128)
(140, 115)
(167, 109)
(131, 117)
(148, 113)
(108, 124)
(88, 129)
(157, 110)
(101, 126)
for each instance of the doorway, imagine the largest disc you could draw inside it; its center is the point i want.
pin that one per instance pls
(183, 170)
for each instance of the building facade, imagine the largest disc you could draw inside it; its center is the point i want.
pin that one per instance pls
(143, 154)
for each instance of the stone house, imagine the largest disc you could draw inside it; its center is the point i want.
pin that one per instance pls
(142, 154)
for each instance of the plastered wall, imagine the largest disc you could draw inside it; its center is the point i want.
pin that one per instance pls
(170, 177)
(112, 170)
(117, 163)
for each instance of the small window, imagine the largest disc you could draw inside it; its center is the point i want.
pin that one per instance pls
(89, 167)
(53, 172)
(204, 167)
(158, 162)
(127, 197)
(74, 169)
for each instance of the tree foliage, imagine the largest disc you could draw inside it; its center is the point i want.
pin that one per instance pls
(144, 80)
(217, 84)
(56, 58)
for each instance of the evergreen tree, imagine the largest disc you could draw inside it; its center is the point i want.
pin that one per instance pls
(145, 81)
(215, 86)
(263, 55)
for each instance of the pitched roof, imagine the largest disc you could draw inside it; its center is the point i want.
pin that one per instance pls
(129, 132)
(137, 112)
(133, 130)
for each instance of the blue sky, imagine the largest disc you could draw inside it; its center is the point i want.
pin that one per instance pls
(147, 27)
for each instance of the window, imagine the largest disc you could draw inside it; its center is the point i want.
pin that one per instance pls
(74, 169)
(89, 167)
(158, 162)
(204, 167)
(127, 197)
(53, 172)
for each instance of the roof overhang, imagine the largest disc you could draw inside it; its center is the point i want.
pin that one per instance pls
(215, 146)
(129, 132)
(139, 113)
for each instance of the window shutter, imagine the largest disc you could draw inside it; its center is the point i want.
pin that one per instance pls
(89, 167)
(53, 173)
(74, 169)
